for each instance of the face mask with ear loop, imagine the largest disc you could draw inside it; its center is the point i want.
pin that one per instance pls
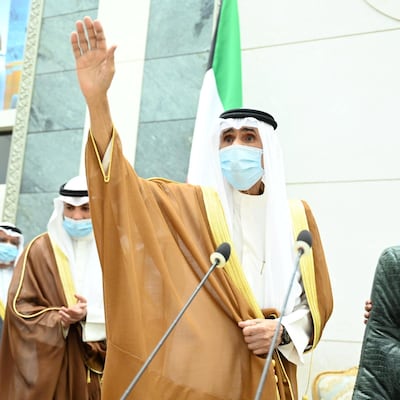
(77, 228)
(241, 165)
(8, 253)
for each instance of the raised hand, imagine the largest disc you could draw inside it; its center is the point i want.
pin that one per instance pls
(94, 61)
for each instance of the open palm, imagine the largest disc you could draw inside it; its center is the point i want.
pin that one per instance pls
(94, 61)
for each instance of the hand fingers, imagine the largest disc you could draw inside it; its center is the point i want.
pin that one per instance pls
(100, 37)
(84, 38)
(81, 36)
(250, 322)
(110, 54)
(75, 309)
(80, 298)
(258, 327)
(258, 345)
(90, 37)
(65, 318)
(75, 45)
(72, 315)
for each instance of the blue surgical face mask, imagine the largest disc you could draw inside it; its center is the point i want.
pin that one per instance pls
(241, 165)
(8, 252)
(77, 228)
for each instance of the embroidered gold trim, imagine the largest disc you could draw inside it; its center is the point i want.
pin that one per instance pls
(307, 267)
(98, 373)
(2, 310)
(64, 271)
(219, 228)
(17, 293)
(278, 356)
(300, 222)
(106, 176)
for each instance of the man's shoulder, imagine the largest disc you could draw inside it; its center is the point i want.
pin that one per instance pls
(38, 242)
(158, 179)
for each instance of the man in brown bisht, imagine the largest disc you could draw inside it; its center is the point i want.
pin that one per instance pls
(155, 237)
(53, 344)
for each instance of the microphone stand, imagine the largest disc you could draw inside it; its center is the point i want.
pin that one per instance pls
(216, 262)
(268, 360)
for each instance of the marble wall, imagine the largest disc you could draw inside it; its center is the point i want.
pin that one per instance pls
(159, 74)
(56, 118)
(176, 60)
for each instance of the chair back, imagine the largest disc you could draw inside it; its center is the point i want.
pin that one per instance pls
(334, 385)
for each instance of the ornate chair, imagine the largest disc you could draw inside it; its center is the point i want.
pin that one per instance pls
(334, 385)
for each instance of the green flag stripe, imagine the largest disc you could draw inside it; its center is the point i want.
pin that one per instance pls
(227, 64)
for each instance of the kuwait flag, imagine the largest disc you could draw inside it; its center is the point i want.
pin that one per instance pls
(222, 85)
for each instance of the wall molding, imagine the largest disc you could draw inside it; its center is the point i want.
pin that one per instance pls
(20, 130)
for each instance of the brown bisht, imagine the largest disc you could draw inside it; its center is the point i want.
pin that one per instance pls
(154, 240)
(36, 361)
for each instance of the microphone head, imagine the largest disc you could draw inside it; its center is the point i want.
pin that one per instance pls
(304, 242)
(221, 255)
(305, 236)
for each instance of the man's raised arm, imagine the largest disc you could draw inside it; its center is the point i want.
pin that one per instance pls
(95, 69)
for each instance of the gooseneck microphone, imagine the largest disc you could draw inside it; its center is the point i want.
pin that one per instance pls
(303, 243)
(219, 258)
(302, 246)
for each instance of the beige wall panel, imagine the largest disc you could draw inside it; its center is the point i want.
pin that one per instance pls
(335, 102)
(128, 30)
(270, 22)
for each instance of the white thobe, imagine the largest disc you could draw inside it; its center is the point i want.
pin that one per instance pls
(87, 284)
(249, 239)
